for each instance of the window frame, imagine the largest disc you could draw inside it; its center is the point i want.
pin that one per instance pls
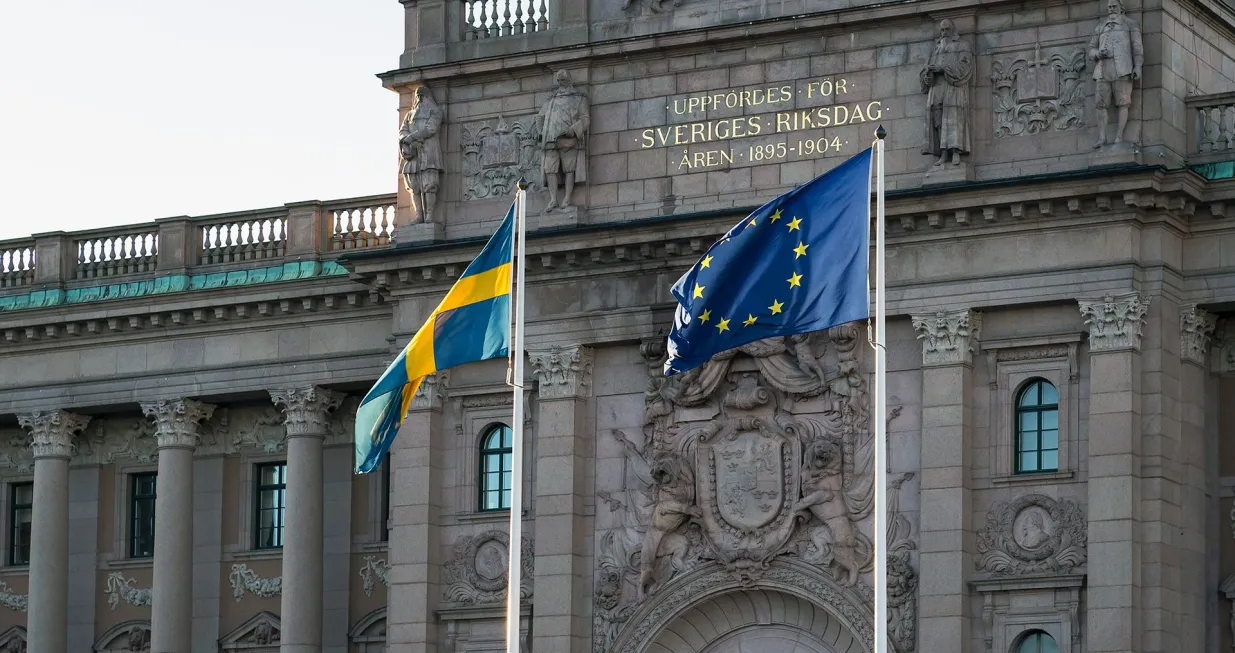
(13, 507)
(258, 488)
(1023, 639)
(1018, 430)
(131, 522)
(482, 473)
(1011, 363)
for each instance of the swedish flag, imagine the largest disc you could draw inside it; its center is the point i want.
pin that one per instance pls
(471, 324)
(797, 264)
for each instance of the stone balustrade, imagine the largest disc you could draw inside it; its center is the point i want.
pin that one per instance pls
(1213, 138)
(187, 252)
(483, 19)
(16, 263)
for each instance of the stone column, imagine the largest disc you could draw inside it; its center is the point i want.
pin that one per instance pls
(563, 529)
(949, 339)
(1113, 620)
(300, 608)
(415, 517)
(52, 441)
(1196, 329)
(171, 612)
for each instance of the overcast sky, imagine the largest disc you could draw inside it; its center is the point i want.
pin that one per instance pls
(122, 111)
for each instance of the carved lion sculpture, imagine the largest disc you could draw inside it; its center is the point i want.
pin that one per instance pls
(823, 497)
(673, 490)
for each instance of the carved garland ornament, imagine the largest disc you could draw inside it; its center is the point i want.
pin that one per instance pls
(243, 579)
(476, 573)
(121, 588)
(1033, 534)
(12, 600)
(374, 567)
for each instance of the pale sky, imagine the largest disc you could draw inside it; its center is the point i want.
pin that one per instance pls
(124, 111)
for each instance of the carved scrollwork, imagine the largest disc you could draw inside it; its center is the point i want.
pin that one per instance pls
(261, 429)
(121, 588)
(243, 580)
(1033, 534)
(1034, 94)
(477, 573)
(496, 155)
(12, 600)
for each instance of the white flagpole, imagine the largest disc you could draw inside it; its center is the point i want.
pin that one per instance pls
(881, 410)
(516, 448)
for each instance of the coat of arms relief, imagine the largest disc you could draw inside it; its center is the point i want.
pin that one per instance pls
(763, 453)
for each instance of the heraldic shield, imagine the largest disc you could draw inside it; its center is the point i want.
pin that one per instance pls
(746, 490)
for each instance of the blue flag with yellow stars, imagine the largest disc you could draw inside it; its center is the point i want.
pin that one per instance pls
(795, 265)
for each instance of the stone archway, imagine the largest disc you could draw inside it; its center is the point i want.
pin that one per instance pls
(755, 621)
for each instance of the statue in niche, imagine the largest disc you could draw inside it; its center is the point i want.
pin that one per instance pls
(945, 81)
(562, 126)
(1117, 53)
(420, 154)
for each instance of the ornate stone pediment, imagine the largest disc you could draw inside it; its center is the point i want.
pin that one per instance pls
(1033, 534)
(13, 640)
(260, 634)
(130, 636)
(476, 573)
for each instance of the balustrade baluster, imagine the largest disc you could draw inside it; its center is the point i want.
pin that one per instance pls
(507, 23)
(469, 30)
(1227, 128)
(385, 227)
(542, 21)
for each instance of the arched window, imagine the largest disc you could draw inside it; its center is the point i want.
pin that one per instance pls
(495, 468)
(1037, 641)
(1037, 428)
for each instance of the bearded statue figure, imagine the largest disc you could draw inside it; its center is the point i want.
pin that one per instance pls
(420, 154)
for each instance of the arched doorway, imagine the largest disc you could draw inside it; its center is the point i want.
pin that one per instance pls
(755, 621)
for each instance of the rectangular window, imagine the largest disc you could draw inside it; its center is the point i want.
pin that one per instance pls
(141, 514)
(21, 513)
(386, 499)
(271, 501)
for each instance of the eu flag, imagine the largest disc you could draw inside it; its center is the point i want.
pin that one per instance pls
(795, 265)
(471, 324)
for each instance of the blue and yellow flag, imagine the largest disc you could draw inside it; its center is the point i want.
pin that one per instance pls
(471, 324)
(795, 265)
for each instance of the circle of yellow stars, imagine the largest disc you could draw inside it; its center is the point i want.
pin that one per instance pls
(777, 307)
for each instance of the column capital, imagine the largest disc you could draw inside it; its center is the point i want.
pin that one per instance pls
(53, 432)
(1196, 330)
(431, 393)
(1114, 321)
(563, 372)
(177, 421)
(948, 337)
(306, 409)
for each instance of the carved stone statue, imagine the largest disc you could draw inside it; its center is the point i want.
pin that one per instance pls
(945, 81)
(265, 634)
(420, 154)
(1117, 53)
(823, 497)
(562, 125)
(674, 487)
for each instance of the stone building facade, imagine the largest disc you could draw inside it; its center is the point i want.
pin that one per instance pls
(1061, 355)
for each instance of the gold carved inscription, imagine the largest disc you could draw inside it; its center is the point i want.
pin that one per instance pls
(781, 117)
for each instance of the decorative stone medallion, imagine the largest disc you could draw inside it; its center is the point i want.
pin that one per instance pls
(477, 572)
(1033, 534)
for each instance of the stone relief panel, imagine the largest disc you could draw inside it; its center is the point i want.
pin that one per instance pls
(496, 155)
(119, 588)
(1036, 93)
(12, 600)
(476, 573)
(762, 456)
(1033, 534)
(374, 567)
(243, 579)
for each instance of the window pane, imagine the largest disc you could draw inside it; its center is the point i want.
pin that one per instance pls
(1030, 396)
(1050, 439)
(1029, 462)
(1029, 421)
(23, 494)
(492, 441)
(508, 436)
(1049, 394)
(1029, 441)
(492, 500)
(505, 498)
(507, 462)
(1050, 419)
(1050, 460)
